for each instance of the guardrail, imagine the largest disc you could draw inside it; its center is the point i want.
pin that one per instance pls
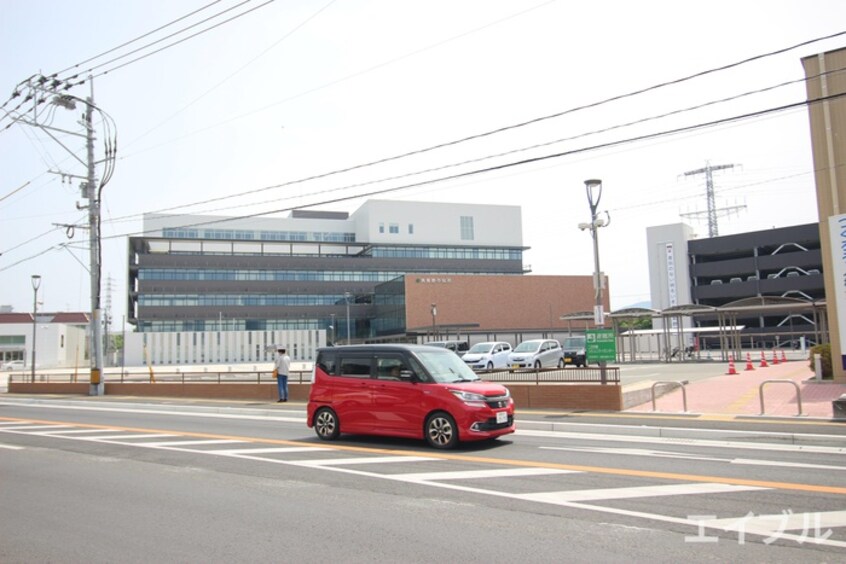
(553, 375)
(665, 382)
(795, 385)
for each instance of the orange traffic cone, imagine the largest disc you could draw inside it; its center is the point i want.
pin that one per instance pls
(749, 362)
(783, 357)
(775, 358)
(731, 371)
(763, 361)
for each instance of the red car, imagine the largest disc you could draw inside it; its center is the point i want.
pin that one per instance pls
(411, 391)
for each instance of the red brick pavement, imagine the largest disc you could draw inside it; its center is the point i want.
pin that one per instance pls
(739, 394)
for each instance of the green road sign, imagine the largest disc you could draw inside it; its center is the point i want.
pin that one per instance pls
(600, 346)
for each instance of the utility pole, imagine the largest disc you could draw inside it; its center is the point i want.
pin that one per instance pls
(51, 90)
(708, 171)
(96, 387)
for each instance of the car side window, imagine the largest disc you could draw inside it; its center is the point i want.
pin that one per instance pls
(326, 362)
(390, 368)
(354, 366)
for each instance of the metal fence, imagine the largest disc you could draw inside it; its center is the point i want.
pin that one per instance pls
(527, 376)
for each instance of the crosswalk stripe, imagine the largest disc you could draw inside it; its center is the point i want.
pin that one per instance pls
(363, 460)
(635, 492)
(471, 474)
(77, 431)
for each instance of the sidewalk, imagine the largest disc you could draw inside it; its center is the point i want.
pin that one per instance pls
(739, 394)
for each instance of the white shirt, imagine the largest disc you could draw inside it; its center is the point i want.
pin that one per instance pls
(283, 364)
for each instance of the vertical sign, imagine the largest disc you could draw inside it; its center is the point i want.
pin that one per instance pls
(600, 345)
(672, 296)
(837, 233)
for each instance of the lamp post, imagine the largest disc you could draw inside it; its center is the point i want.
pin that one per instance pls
(36, 283)
(332, 327)
(434, 320)
(347, 300)
(593, 187)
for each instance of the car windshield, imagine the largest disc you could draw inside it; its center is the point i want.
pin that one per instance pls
(480, 348)
(446, 367)
(528, 346)
(574, 343)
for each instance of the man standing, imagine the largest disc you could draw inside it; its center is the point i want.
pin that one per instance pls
(283, 365)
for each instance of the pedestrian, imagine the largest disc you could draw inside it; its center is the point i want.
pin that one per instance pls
(283, 365)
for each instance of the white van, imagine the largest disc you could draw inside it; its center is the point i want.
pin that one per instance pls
(537, 353)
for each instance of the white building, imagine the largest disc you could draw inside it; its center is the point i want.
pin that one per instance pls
(60, 339)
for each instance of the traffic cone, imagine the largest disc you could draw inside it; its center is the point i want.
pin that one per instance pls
(783, 356)
(731, 371)
(749, 362)
(763, 361)
(775, 358)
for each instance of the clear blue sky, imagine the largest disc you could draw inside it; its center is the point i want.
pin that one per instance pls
(298, 88)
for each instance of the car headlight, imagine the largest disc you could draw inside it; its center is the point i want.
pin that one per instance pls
(476, 400)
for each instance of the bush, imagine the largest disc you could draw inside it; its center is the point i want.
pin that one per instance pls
(824, 351)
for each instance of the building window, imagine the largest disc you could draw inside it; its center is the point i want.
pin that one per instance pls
(393, 228)
(467, 228)
(381, 228)
(411, 229)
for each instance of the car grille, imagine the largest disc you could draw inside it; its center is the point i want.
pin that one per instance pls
(497, 402)
(492, 425)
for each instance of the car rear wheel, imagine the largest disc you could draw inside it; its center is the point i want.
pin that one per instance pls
(441, 431)
(326, 424)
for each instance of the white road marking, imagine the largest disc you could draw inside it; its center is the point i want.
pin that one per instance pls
(11, 447)
(473, 474)
(189, 443)
(635, 492)
(276, 450)
(687, 456)
(77, 432)
(119, 437)
(364, 460)
(34, 427)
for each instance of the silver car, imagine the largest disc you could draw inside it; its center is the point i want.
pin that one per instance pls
(488, 355)
(537, 353)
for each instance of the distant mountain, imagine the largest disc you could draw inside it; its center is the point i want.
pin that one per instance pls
(646, 305)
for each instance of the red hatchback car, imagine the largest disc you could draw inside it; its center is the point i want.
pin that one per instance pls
(408, 391)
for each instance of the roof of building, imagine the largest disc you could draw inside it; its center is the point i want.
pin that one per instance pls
(67, 317)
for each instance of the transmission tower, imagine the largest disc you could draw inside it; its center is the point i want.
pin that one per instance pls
(712, 212)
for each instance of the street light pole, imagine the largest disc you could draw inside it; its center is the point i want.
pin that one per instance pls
(593, 187)
(36, 283)
(434, 320)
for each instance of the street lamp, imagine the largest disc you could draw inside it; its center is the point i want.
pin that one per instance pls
(593, 187)
(332, 327)
(347, 300)
(434, 319)
(36, 282)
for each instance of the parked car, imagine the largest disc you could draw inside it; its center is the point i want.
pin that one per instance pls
(458, 347)
(488, 355)
(537, 353)
(409, 391)
(574, 350)
(14, 365)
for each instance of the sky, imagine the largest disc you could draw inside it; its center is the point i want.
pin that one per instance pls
(498, 102)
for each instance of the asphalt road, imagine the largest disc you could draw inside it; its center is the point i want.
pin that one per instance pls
(97, 481)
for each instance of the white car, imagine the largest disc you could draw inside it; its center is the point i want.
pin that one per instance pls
(14, 365)
(537, 353)
(488, 355)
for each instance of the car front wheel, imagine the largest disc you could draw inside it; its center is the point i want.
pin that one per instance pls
(326, 424)
(537, 365)
(560, 363)
(441, 431)
(489, 367)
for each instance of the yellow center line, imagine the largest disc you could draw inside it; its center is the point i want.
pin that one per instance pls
(792, 486)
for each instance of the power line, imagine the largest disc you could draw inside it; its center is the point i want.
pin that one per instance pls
(527, 161)
(140, 37)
